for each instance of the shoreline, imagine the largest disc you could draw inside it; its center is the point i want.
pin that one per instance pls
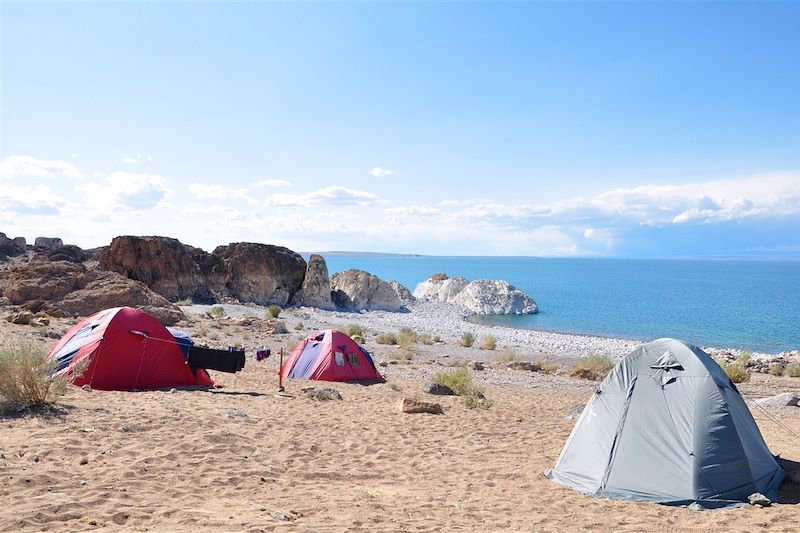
(449, 321)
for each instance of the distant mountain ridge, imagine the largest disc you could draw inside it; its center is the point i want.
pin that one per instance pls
(343, 253)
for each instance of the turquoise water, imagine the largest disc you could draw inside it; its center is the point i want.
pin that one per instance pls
(727, 303)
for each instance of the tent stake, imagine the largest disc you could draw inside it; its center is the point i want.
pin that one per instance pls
(280, 374)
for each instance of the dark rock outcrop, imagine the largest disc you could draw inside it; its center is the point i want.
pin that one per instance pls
(357, 290)
(11, 247)
(261, 273)
(69, 252)
(47, 243)
(164, 264)
(64, 288)
(316, 289)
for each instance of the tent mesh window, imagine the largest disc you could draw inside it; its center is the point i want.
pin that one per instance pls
(352, 359)
(339, 359)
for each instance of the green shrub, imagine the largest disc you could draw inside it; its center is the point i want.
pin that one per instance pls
(737, 372)
(592, 367)
(298, 326)
(26, 375)
(743, 359)
(489, 342)
(776, 369)
(793, 370)
(184, 303)
(406, 338)
(354, 330)
(274, 311)
(460, 382)
(402, 354)
(216, 311)
(280, 328)
(386, 338)
(467, 340)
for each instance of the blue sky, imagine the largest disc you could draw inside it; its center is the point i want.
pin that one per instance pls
(630, 129)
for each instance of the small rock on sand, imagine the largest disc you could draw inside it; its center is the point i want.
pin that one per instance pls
(438, 389)
(785, 399)
(87, 388)
(321, 393)
(759, 499)
(407, 405)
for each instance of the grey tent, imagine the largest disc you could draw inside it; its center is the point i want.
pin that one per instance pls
(667, 425)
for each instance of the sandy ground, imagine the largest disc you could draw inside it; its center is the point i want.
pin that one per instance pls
(239, 458)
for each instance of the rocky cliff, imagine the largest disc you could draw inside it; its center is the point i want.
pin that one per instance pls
(484, 297)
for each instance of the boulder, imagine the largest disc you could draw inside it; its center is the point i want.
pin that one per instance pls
(261, 273)
(47, 243)
(495, 297)
(321, 393)
(316, 288)
(11, 247)
(407, 405)
(439, 287)
(439, 389)
(63, 288)
(164, 264)
(357, 290)
(523, 365)
(23, 318)
(759, 499)
(785, 399)
(69, 252)
(402, 291)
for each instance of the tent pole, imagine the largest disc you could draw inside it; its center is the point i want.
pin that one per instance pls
(280, 373)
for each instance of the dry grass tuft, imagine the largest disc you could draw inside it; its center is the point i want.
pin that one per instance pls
(592, 367)
(216, 311)
(546, 367)
(489, 342)
(26, 376)
(274, 311)
(467, 339)
(406, 338)
(793, 370)
(737, 372)
(460, 381)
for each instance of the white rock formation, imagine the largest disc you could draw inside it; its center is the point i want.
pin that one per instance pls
(402, 291)
(357, 290)
(483, 296)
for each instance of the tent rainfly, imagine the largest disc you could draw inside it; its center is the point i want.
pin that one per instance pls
(668, 426)
(330, 355)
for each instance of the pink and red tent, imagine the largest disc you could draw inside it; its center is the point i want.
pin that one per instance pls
(330, 355)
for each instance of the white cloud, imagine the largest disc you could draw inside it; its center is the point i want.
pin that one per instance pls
(329, 195)
(23, 166)
(24, 200)
(219, 192)
(132, 160)
(379, 172)
(129, 191)
(272, 183)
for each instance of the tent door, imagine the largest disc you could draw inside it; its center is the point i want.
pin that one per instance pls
(612, 454)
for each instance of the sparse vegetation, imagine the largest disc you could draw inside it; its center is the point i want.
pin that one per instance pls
(402, 354)
(546, 367)
(386, 338)
(26, 375)
(592, 367)
(793, 370)
(354, 330)
(184, 303)
(737, 372)
(406, 338)
(216, 311)
(776, 369)
(460, 381)
(506, 356)
(280, 328)
(424, 339)
(437, 339)
(274, 311)
(489, 342)
(298, 326)
(743, 359)
(467, 339)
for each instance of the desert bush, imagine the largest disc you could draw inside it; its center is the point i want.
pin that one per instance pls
(406, 338)
(26, 375)
(489, 342)
(386, 338)
(185, 302)
(280, 328)
(274, 311)
(467, 339)
(216, 311)
(354, 330)
(437, 338)
(460, 382)
(793, 370)
(506, 356)
(737, 372)
(776, 369)
(546, 367)
(592, 367)
(298, 326)
(402, 354)
(424, 339)
(743, 359)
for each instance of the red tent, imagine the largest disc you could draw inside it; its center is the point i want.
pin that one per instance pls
(128, 349)
(330, 355)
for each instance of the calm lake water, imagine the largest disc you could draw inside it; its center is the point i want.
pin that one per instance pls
(727, 303)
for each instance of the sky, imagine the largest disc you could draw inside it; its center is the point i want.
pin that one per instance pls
(552, 129)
